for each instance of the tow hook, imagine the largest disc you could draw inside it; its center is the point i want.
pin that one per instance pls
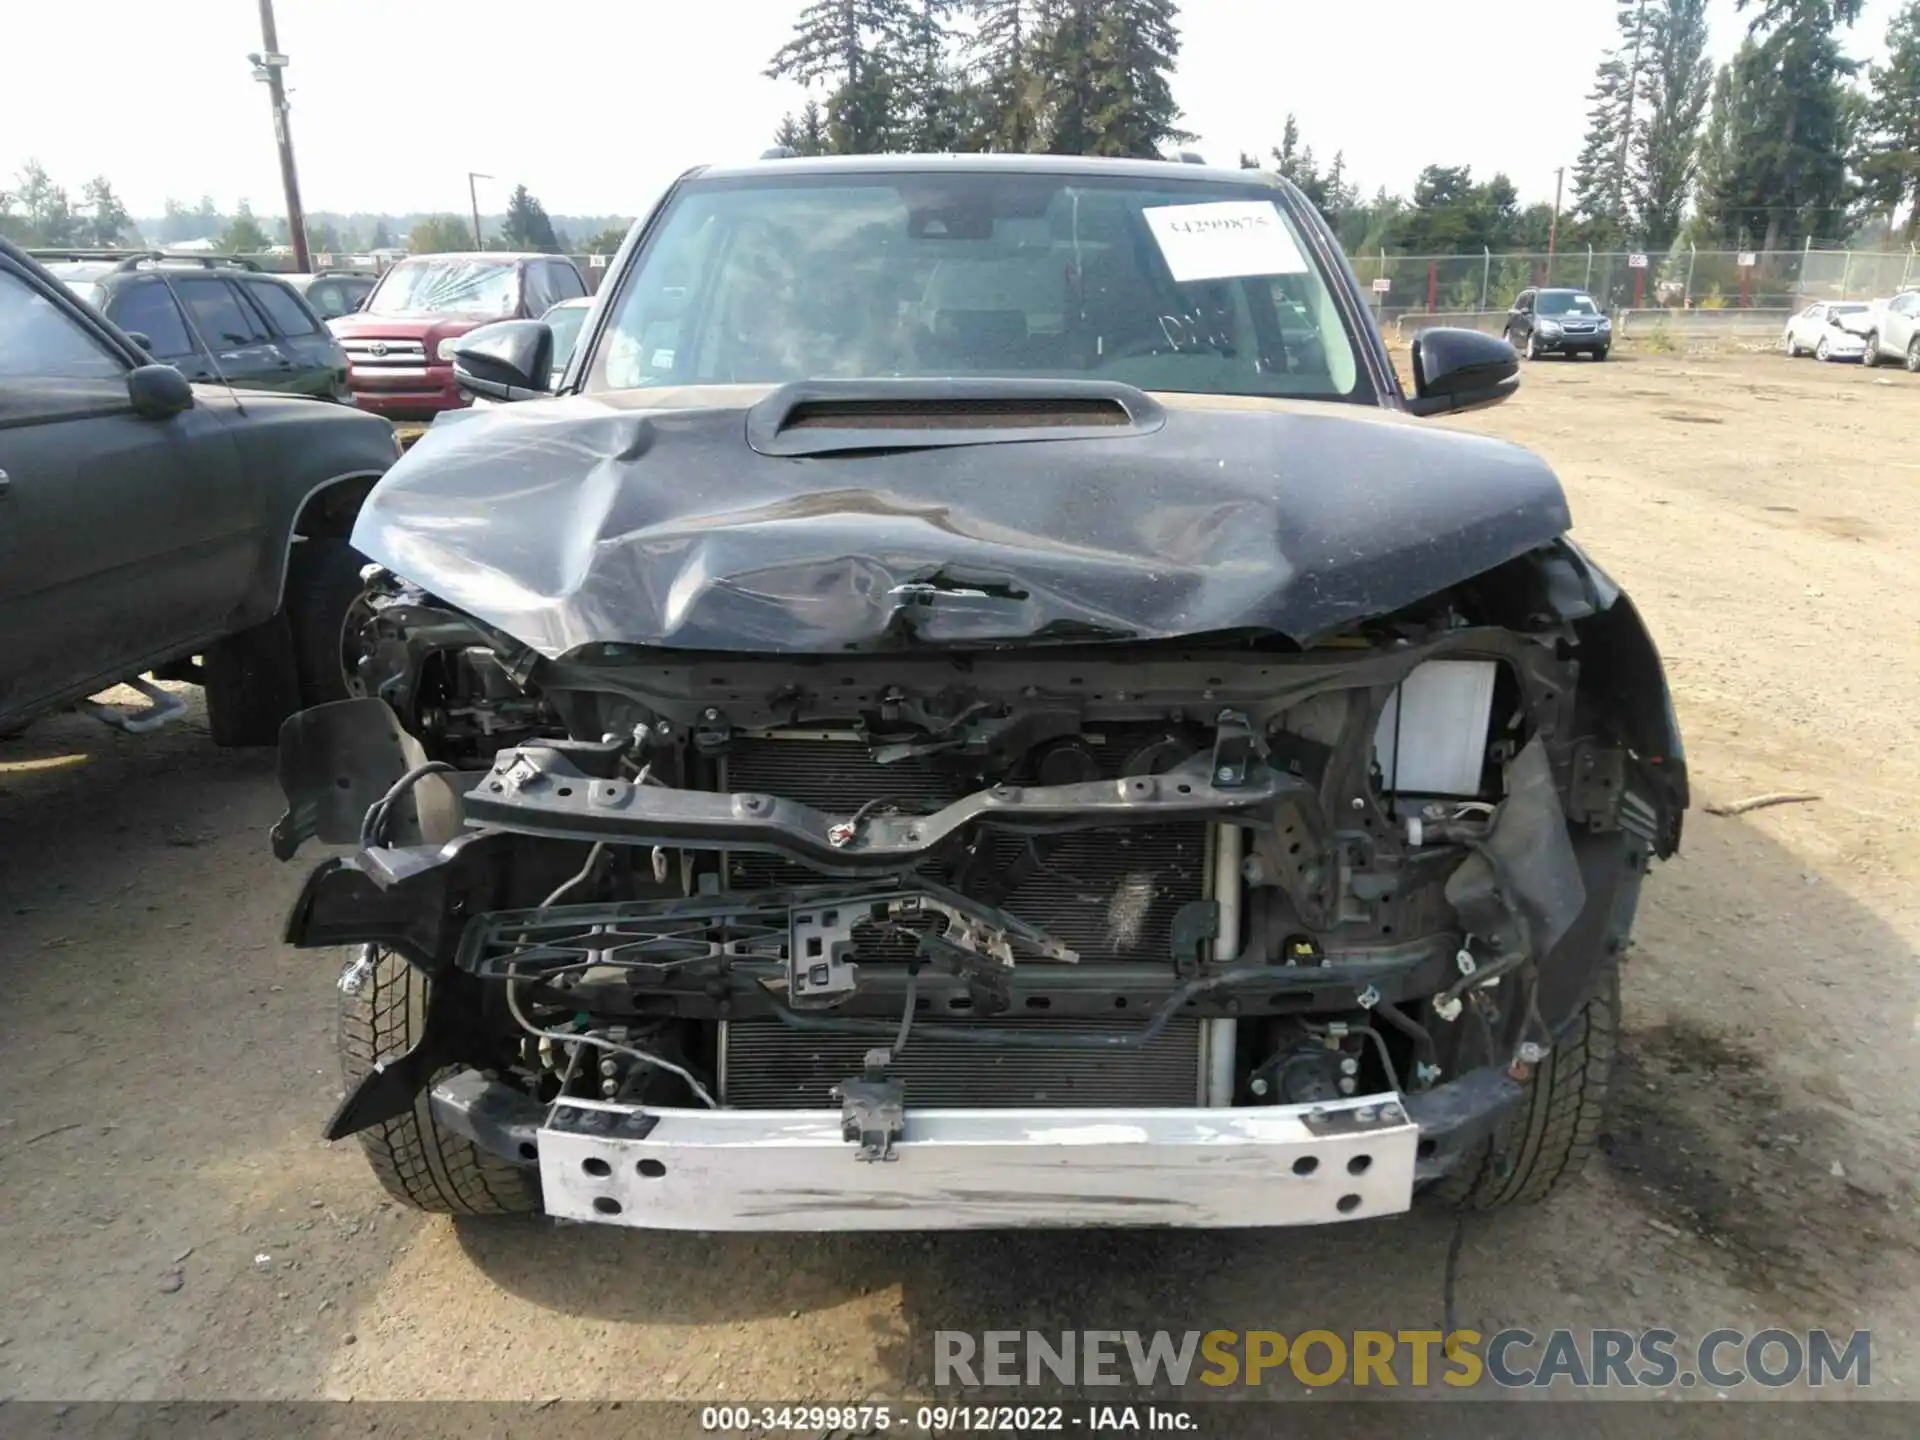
(873, 1109)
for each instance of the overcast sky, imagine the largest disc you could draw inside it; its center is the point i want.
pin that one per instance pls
(595, 106)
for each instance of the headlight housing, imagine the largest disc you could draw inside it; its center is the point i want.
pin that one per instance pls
(1549, 327)
(1604, 324)
(443, 352)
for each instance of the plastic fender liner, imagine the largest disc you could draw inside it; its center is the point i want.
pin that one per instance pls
(1522, 885)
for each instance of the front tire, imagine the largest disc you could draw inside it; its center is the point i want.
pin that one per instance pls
(1872, 358)
(416, 1161)
(1794, 352)
(1822, 351)
(1544, 1146)
(1601, 352)
(1532, 352)
(251, 685)
(323, 582)
(1913, 356)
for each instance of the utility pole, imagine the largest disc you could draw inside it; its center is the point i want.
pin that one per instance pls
(473, 200)
(267, 66)
(1553, 225)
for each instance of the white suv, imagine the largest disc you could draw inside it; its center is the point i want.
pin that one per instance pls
(1896, 331)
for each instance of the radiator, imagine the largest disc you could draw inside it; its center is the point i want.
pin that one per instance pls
(1107, 894)
(766, 1066)
(1110, 895)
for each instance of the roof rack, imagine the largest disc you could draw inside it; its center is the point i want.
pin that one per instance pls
(1192, 157)
(134, 259)
(780, 152)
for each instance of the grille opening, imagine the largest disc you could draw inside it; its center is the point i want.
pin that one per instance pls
(769, 1067)
(936, 414)
(1109, 894)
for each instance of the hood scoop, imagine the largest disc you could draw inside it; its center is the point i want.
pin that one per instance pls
(845, 417)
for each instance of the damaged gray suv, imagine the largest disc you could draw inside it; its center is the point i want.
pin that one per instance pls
(979, 703)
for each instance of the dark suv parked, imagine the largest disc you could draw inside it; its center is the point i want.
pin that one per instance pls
(1558, 322)
(145, 521)
(212, 318)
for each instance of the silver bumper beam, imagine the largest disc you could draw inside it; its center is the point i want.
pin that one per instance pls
(1273, 1165)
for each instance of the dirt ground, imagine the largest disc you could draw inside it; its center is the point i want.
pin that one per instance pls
(173, 1226)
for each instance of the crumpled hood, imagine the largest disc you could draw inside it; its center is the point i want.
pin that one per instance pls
(647, 518)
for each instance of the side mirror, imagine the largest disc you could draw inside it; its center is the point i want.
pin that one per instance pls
(158, 392)
(141, 339)
(507, 360)
(1455, 370)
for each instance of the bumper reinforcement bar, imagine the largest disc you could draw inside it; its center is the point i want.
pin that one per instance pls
(770, 1170)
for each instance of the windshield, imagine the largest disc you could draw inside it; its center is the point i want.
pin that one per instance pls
(447, 287)
(1563, 303)
(565, 322)
(1845, 309)
(1169, 285)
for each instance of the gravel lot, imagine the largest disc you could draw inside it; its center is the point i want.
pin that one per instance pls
(173, 1226)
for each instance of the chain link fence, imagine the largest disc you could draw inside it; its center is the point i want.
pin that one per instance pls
(1682, 279)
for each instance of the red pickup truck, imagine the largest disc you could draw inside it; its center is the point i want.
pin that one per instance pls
(400, 343)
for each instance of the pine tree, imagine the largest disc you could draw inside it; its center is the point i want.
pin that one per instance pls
(527, 225)
(323, 236)
(1328, 190)
(1602, 198)
(1890, 156)
(1341, 196)
(926, 81)
(438, 234)
(47, 216)
(1795, 157)
(243, 235)
(1064, 79)
(1005, 93)
(1595, 201)
(805, 133)
(1673, 92)
(107, 219)
(1723, 180)
(846, 43)
(382, 239)
(1104, 86)
(606, 242)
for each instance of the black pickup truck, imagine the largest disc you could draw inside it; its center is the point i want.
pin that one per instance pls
(152, 525)
(979, 702)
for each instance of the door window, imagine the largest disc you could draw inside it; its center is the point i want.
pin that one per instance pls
(283, 308)
(566, 281)
(146, 306)
(537, 289)
(224, 323)
(37, 338)
(333, 298)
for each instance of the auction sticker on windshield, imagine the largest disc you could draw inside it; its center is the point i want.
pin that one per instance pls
(1223, 240)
